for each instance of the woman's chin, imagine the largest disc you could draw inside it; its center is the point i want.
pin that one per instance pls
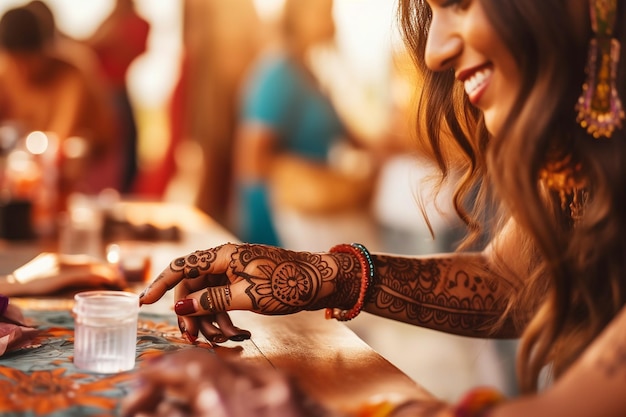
(492, 122)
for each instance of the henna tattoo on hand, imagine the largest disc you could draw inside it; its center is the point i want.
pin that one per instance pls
(346, 284)
(157, 279)
(280, 281)
(215, 299)
(195, 264)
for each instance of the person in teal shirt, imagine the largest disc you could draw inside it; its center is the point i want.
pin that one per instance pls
(283, 110)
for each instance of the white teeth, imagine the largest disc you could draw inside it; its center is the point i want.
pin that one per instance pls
(477, 80)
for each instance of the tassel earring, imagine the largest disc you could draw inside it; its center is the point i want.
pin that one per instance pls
(599, 107)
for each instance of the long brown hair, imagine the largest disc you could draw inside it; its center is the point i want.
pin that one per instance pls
(577, 270)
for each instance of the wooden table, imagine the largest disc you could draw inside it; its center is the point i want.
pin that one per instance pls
(325, 357)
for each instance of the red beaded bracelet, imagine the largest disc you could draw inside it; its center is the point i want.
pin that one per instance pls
(477, 402)
(367, 276)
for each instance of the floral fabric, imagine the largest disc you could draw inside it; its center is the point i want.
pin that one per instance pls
(40, 378)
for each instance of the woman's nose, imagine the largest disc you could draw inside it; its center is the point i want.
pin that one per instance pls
(443, 45)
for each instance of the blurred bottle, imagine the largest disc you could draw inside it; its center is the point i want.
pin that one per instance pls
(80, 227)
(28, 183)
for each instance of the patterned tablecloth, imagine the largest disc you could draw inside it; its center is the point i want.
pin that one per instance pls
(41, 380)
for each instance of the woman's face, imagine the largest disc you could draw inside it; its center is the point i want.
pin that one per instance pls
(461, 37)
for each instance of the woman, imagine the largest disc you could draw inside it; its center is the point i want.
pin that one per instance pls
(117, 42)
(504, 78)
(40, 91)
(287, 129)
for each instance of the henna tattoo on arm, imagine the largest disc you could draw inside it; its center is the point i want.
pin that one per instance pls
(614, 361)
(456, 294)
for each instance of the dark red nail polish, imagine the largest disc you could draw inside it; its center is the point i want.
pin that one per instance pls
(189, 337)
(240, 337)
(184, 307)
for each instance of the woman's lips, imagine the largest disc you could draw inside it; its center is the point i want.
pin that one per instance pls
(475, 82)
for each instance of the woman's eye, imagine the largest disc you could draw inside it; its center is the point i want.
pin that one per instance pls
(460, 4)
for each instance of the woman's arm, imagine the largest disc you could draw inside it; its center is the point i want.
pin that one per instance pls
(311, 187)
(454, 293)
(461, 293)
(254, 149)
(294, 181)
(593, 387)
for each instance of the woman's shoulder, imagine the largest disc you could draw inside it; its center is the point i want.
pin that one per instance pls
(510, 250)
(275, 64)
(271, 76)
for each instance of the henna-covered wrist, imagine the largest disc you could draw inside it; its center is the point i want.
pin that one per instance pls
(347, 283)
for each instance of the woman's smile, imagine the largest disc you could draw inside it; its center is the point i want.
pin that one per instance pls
(464, 38)
(475, 82)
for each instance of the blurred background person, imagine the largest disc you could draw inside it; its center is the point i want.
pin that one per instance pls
(65, 46)
(108, 172)
(220, 39)
(117, 42)
(42, 92)
(288, 130)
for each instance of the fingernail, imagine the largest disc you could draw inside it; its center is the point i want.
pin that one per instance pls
(181, 326)
(240, 337)
(185, 307)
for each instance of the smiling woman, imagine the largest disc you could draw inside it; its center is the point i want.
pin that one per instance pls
(535, 114)
(462, 39)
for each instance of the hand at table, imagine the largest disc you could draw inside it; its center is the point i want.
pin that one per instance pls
(259, 278)
(196, 382)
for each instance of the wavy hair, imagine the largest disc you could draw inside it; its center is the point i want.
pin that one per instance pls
(577, 273)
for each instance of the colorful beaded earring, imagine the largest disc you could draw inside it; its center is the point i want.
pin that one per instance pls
(599, 107)
(563, 175)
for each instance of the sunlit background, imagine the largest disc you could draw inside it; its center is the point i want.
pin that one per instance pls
(362, 69)
(365, 34)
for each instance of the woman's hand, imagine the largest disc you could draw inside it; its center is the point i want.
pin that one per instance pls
(259, 278)
(196, 382)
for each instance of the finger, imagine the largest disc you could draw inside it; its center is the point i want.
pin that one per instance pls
(214, 300)
(189, 328)
(212, 303)
(229, 330)
(212, 333)
(191, 266)
(208, 301)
